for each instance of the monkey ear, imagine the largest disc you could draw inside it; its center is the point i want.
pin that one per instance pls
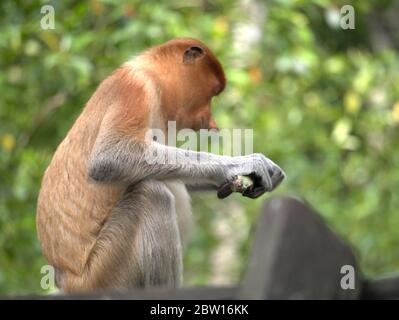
(192, 54)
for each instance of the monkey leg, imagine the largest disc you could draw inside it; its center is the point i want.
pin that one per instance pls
(138, 246)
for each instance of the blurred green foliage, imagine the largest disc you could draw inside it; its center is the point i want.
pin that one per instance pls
(323, 103)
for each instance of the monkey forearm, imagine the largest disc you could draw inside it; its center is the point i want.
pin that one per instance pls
(198, 186)
(133, 162)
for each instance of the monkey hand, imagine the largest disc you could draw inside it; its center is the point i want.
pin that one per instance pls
(265, 176)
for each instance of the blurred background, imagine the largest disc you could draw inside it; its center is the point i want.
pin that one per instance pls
(323, 102)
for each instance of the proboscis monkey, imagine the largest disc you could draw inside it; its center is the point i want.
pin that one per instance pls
(106, 216)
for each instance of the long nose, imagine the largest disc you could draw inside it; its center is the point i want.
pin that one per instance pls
(213, 125)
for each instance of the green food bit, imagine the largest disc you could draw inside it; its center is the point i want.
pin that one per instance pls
(246, 182)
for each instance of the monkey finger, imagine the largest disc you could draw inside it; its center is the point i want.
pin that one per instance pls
(225, 190)
(254, 193)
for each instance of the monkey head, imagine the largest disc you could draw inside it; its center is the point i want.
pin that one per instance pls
(189, 77)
